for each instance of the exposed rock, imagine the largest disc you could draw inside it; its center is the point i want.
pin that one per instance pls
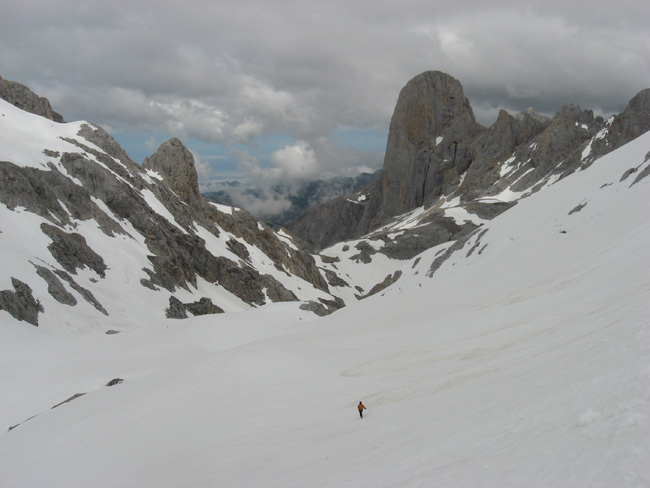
(389, 280)
(175, 163)
(178, 309)
(55, 288)
(558, 149)
(239, 249)
(436, 229)
(437, 159)
(84, 292)
(488, 210)
(20, 303)
(327, 223)
(577, 208)
(178, 255)
(295, 259)
(635, 119)
(42, 192)
(442, 256)
(324, 307)
(496, 145)
(644, 173)
(365, 252)
(71, 251)
(249, 285)
(477, 244)
(104, 140)
(159, 205)
(25, 99)
(335, 280)
(115, 381)
(73, 397)
(204, 306)
(332, 259)
(621, 129)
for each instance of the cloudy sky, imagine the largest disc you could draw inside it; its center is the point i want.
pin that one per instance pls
(282, 91)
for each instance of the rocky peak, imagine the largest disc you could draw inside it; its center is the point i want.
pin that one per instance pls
(640, 103)
(635, 119)
(496, 145)
(621, 129)
(175, 164)
(430, 133)
(532, 113)
(568, 111)
(25, 99)
(430, 105)
(511, 130)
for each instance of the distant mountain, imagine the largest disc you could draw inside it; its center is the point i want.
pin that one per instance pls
(300, 200)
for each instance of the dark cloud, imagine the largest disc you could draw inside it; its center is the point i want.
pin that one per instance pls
(233, 72)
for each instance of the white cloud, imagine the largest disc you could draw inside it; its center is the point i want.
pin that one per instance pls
(194, 118)
(294, 162)
(232, 72)
(203, 168)
(261, 206)
(248, 128)
(150, 144)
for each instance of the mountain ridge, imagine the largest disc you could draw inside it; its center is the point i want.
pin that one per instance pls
(437, 152)
(439, 162)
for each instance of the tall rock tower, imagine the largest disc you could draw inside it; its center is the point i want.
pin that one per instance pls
(428, 146)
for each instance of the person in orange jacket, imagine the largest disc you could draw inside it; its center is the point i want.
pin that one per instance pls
(361, 408)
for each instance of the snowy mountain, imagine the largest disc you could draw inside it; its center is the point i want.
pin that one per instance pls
(81, 221)
(517, 354)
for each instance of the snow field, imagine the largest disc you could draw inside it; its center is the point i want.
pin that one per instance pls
(525, 365)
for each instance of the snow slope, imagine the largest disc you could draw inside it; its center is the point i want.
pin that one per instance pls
(525, 362)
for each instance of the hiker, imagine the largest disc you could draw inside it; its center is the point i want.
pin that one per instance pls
(361, 408)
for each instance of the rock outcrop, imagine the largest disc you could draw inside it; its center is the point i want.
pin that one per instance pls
(20, 302)
(25, 99)
(175, 163)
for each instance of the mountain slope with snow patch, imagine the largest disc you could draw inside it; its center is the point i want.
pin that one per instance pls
(522, 359)
(86, 232)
